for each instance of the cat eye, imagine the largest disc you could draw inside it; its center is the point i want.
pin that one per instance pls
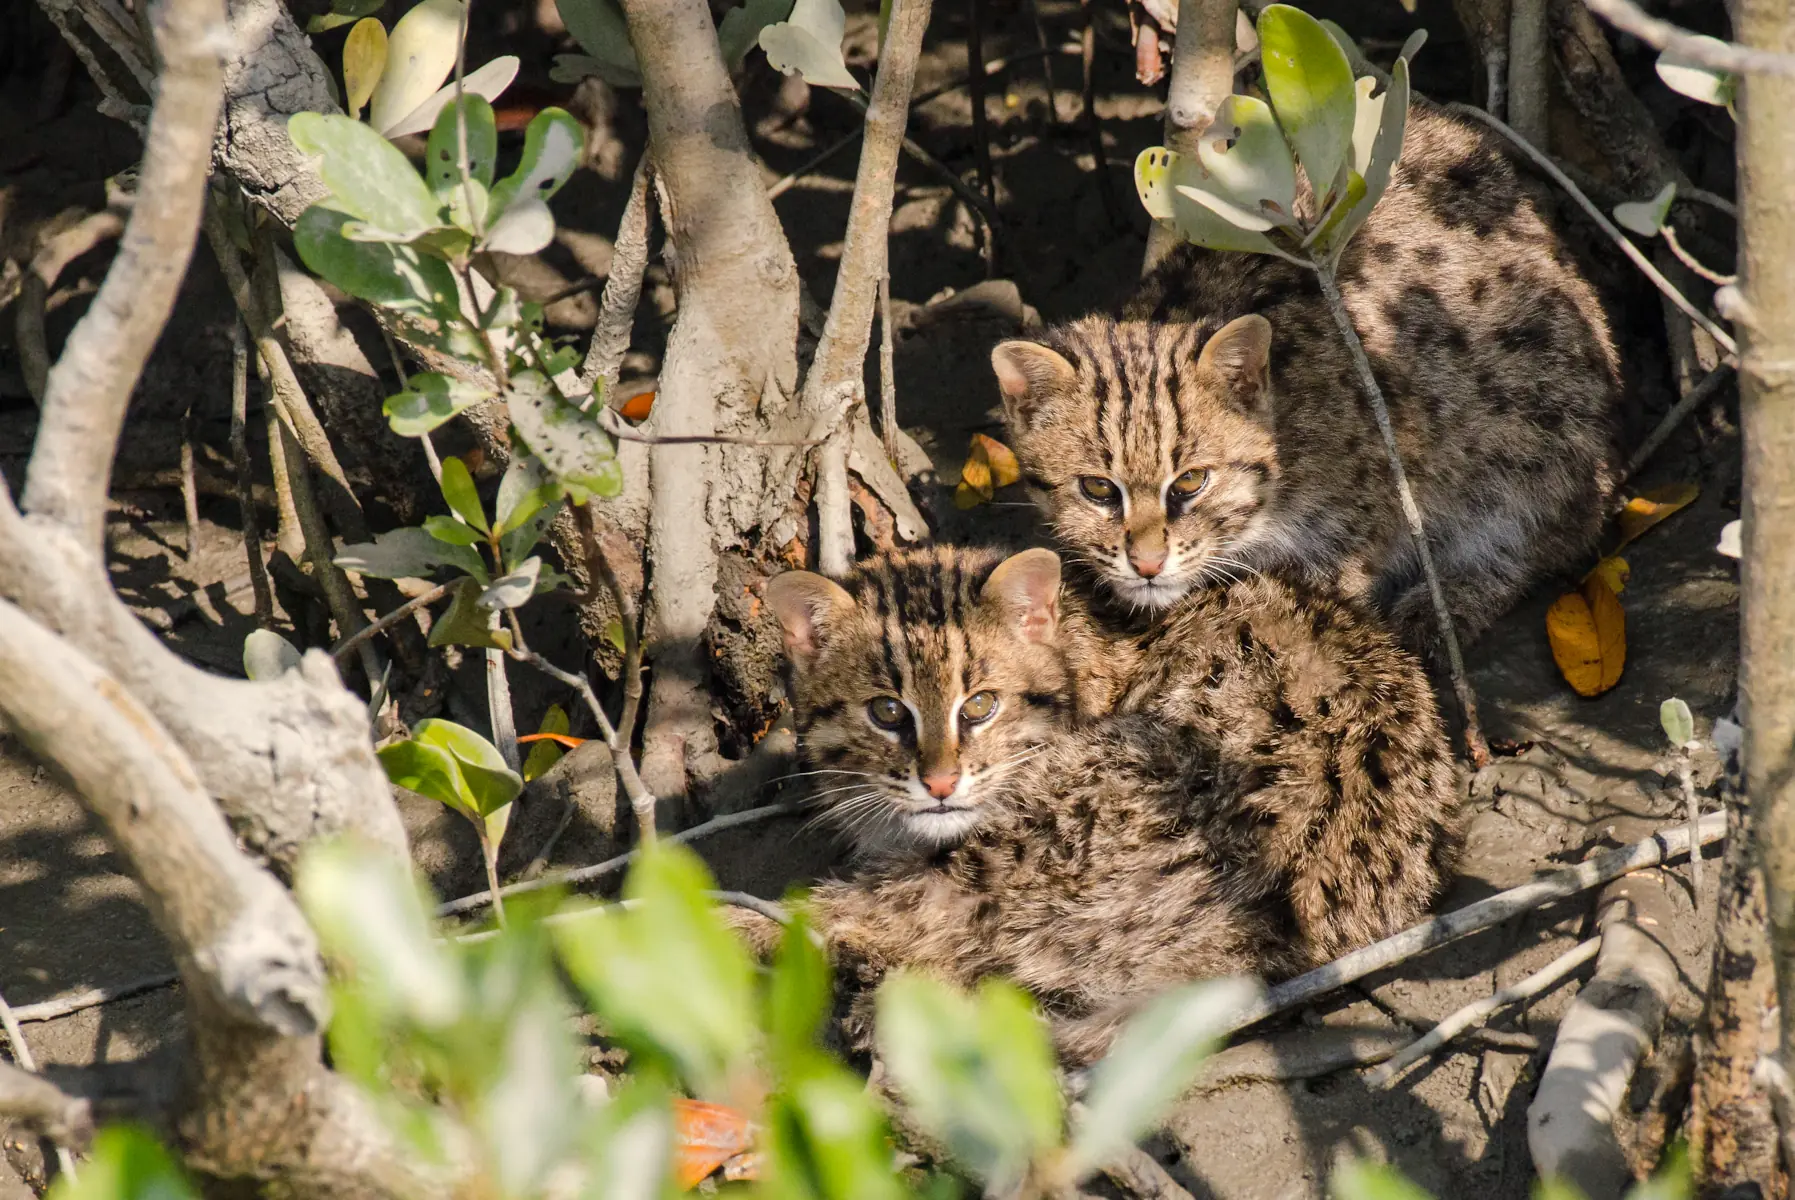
(1098, 489)
(979, 706)
(1190, 483)
(887, 712)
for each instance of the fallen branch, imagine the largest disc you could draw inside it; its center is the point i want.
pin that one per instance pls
(62, 1119)
(584, 875)
(34, 290)
(1698, 395)
(1545, 163)
(1494, 910)
(1478, 1011)
(1708, 52)
(61, 1006)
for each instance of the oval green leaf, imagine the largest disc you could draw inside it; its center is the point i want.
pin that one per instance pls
(1646, 217)
(462, 497)
(600, 29)
(1678, 722)
(429, 400)
(368, 177)
(1247, 163)
(442, 155)
(1311, 89)
(569, 442)
(392, 276)
(491, 783)
(553, 144)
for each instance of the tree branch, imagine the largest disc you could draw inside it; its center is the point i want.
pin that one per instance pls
(1709, 52)
(88, 389)
(1202, 77)
(623, 287)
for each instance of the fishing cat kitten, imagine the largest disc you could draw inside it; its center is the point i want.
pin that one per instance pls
(1220, 424)
(1273, 789)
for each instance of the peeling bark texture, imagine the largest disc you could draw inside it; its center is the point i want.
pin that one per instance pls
(1485, 23)
(1202, 77)
(1529, 70)
(1732, 1136)
(272, 74)
(730, 365)
(1766, 325)
(1613, 117)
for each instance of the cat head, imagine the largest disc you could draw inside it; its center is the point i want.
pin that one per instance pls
(1149, 446)
(919, 682)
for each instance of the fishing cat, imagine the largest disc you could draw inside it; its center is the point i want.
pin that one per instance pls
(1272, 789)
(1220, 425)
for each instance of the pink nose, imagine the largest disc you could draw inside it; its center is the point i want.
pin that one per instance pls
(941, 784)
(1147, 565)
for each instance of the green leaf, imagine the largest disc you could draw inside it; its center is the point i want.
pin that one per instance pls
(1311, 89)
(442, 155)
(466, 623)
(126, 1163)
(545, 754)
(977, 1071)
(406, 553)
(369, 178)
(491, 784)
(797, 992)
(629, 1146)
(1153, 1060)
(1152, 174)
(1672, 1181)
(614, 634)
(600, 29)
(429, 400)
(826, 1140)
(1362, 1180)
(1696, 81)
(571, 68)
(527, 1114)
(390, 275)
(739, 30)
(1198, 222)
(553, 144)
(523, 491)
(488, 81)
(1392, 119)
(1678, 722)
(1646, 217)
(268, 655)
(452, 531)
(370, 914)
(569, 442)
(517, 544)
(514, 588)
(429, 771)
(1246, 162)
(665, 976)
(420, 55)
(458, 489)
(325, 22)
(809, 43)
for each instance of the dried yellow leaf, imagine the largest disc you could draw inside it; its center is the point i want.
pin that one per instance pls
(364, 62)
(1004, 468)
(1648, 508)
(1614, 572)
(1588, 632)
(989, 466)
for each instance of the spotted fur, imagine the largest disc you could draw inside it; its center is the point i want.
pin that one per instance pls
(1258, 782)
(1490, 348)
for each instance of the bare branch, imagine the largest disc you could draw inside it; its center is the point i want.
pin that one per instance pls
(387, 622)
(1529, 69)
(1708, 52)
(89, 387)
(34, 290)
(623, 287)
(246, 497)
(74, 1002)
(1202, 77)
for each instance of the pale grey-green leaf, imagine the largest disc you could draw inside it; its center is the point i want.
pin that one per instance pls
(553, 143)
(513, 589)
(1246, 163)
(568, 441)
(368, 177)
(431, 399)
(267, 655)
(420, 54)
(1678, 722)
(1696, 81)
(407, 553)
(488, 81)
(1311, 88)
(809, 43)
(526, 227)
(600, 29)
(1646, 217)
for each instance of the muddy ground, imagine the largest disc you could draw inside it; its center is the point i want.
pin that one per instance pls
(71, 920)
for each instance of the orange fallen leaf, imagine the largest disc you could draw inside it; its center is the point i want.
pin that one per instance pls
(989, 465)
(637, 407)
(1648, 508)
(1613, 571)
(705, 1137)
(1005, 470)
(1588, 632)
(558, 738)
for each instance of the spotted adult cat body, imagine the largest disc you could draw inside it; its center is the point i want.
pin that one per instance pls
(1220, 424)
(1097, 862)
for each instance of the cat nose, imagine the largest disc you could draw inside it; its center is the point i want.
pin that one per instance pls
(941, 784)
(1147, 563)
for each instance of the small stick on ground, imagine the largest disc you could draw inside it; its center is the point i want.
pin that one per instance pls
(1698, 394)
(61, 1006)
(21, 1053)
(246, 495)
(1494, 910)
(1479, 1011)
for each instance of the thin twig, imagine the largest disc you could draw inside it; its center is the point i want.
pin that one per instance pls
(623, 286)
(1693, 806)
(73, 1002)
(393, 618)
(613, 424)
(1689, 260)
(538, 864)
(610, 866)
(1708, 52)
(828, 152)
(1494, 910)
(1481, 1010)
(1475, 745)
(888, 426)
(34, 290)
(1088, 114)
(189, 485)
(1697, 396)
(1544, 163)
(246, 495)
(319, 547)
(21, 1053)
(975, 73)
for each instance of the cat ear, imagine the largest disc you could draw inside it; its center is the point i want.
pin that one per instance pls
(1238, 355)
(1025, 588)
(806, 605)
(1026, 371)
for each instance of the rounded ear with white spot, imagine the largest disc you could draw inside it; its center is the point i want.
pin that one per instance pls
(1025, 589)
(1238, 358)
(1026, 373)
(806, 605)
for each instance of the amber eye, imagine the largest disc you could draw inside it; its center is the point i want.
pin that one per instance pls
(979, 706)
(887, 712)
(1190, 483)
(1097, 488)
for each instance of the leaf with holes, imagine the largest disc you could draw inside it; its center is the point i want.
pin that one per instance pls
(1159, 176)
(1614, 572)
(1311, 88)
(569, 442)
(1646, 217)
(600, 29)
(809, 44)
(488, 81)
(526, 227)
(430, 399)
(364, 60)
(523, 490)
(1245, 161)
(553, 143)
(442, 154)
(1587, 630)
